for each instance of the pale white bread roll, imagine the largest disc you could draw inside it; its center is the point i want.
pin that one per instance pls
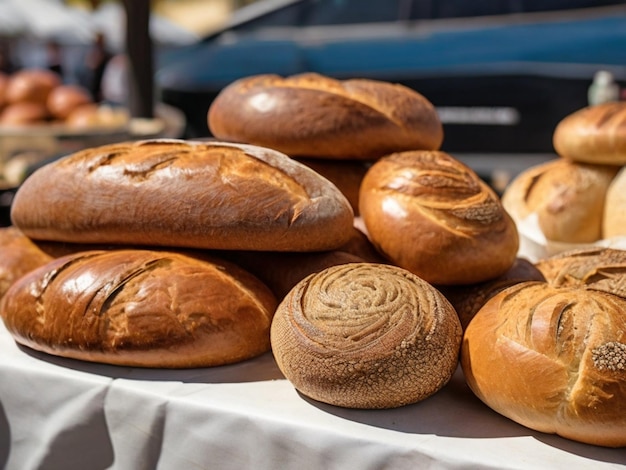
(552, 359)
(183, 194)
(312, 115)
(595, 134)
(366, 335)
(429, 213)
(567, 197)
(614, 220)
(141, 308)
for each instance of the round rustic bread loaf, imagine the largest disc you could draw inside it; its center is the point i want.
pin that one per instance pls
(595, 134)
(366, 335)
(183, 194)
(312, 115)
(552, 359)
(31, 85)
(141, 308)
(614, 220)
(64, 99)
(23, 113)
(568, 198)
(431, 214)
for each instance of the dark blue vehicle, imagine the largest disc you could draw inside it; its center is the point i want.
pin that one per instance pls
(501, 73)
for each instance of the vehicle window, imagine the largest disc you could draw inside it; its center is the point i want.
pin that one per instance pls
(550, 5)
(287, 16)
(330, 12)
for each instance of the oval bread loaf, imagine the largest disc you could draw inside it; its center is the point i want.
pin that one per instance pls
(311, 115)
(431, 214)
(183, 194)
(595, 134)
(366, 335)
(141, 308)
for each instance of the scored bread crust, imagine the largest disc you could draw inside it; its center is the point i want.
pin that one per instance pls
(366, 335)
(141, 308)
(312, 115)
(595, 134)
(431, 214)
(183, 194)
(552, 359)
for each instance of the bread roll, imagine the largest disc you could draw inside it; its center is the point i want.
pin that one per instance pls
(183, 194)
(595, 134)
(431, 214)
(597, 268)
(31, 85)
(568, 198)
(23, 114)
(64, 99)
(141, 308)
(552, 359)
(312, 115)
(468, 299)
(614, 220)
(4, 82)
(366, 336)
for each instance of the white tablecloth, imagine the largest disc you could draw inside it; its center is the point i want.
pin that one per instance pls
(63, 414)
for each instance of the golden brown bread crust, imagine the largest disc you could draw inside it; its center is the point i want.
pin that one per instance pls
(31, 85)
(552, 359)
(468, 299)
(23, 113)
(366, 336)
(614, 220)
(431, 214)
(316, 116)
(568, 198)
(595, 134)
(596, 268)
(64, 99)
(141, 308)
(18, 256)
(183, 194)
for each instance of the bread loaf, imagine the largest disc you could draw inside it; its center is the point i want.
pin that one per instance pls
(595, 134)
(64, 99)
(431, 214)
(568, 198)
(468, 299)
(312, 115)
(141, 308)
(24, 113)
(183, 194)
(614, 217)
(31, 85)
(366, 335)
(552, 359)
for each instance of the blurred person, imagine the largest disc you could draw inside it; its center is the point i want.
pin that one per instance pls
(55, 59)
(603, 88)
(96, 61)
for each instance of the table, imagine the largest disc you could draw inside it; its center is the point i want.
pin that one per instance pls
(58, 413)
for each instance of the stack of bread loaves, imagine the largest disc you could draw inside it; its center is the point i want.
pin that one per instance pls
(578, 198)
(35, 96)
(158, 299)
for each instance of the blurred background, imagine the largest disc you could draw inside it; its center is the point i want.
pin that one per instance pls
(501, 73)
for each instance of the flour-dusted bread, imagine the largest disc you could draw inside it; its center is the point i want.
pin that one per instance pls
(141, 308)
(312, 115)
(429, 213)
(595, 134)
(364, 335)
(183, 194)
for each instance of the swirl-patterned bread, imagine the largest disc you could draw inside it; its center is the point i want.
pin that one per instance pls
(595, 134)
(366, 336)
(183, 194)
(141, 308)
(431, 214)
(552, 359)
(311, 115)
